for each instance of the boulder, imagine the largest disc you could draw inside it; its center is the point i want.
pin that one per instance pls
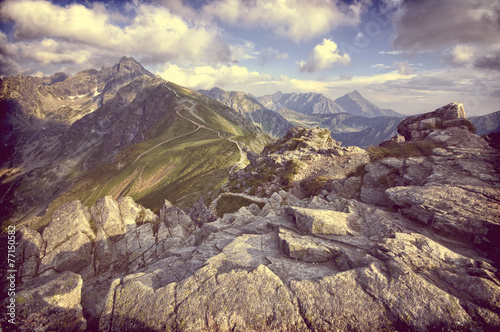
(51, 304)
(200, 213)
(66, 222)
(173, 216)
(419, 126)
(318, 221)
(69, 239)
(72, 255)
(295, 246)
(107, 217)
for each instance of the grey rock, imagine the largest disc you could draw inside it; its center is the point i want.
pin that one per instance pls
(200, 213)
(51, 304)
(66, 222)
(416, 127)
(305, 249)
(72, 255)
(317, 221)
(174, 216)
(107, 216)
(455, 210)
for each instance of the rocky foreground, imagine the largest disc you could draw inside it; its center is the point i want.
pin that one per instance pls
(409, 241)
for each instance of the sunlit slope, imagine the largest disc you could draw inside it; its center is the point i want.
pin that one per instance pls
(190, 153)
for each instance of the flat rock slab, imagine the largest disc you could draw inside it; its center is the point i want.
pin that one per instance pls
(51, 304)
(316, 221)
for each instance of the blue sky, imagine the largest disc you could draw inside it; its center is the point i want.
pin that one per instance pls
(411, 56)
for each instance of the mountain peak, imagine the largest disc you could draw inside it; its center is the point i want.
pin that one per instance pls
(128, 65)
(355, 94)
(127, 59)
(354, 103)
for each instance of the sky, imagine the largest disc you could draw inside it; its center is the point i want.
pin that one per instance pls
(412, 56)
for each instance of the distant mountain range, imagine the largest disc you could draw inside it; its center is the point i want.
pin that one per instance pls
(307, 103)
(248, 106)
(352, 119)
(315, 103)
(486, 123)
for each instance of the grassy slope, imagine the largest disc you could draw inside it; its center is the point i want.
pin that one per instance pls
(190, 165)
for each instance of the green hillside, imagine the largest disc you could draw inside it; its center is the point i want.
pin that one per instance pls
(190, 154)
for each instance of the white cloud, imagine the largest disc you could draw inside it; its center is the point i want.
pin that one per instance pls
(390, 52)
(295, 19)
(270, 53)
(462, 54)
(243, 51)
(324, 56)
(380, 66)
(432, 89)
(152, 32)
(206, 77)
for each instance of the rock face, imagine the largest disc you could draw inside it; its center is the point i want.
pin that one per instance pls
(323, 263)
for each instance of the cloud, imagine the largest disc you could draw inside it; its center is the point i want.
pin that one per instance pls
(462, 54)
(243, 51)
(324, 56)
(429, 24)
(432, 89)
(153, 33)
(380, 66)
(295, 19)
(206, 77)
(491, 62)
(390, 52)
(403, 67)
(270, 53)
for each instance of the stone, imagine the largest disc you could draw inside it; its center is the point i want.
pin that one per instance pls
(174, 216)
(72, 255)
(130, 212)
(317, 221)
(261, 301)
(51, 304)
(30, 244)
(304, 249)
(66, 222)
(415, 127)
(200, 213)
(106, 214)
(455, 210)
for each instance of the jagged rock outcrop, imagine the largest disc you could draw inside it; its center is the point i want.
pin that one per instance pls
(200, 213)
(304, 160)
(418, 127)
(429, 262)
(454, 188)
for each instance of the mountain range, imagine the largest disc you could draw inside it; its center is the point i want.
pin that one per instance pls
(115, 131)
(315, 103)
(245, 104)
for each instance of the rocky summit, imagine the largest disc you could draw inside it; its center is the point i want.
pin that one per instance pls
(398, 237)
